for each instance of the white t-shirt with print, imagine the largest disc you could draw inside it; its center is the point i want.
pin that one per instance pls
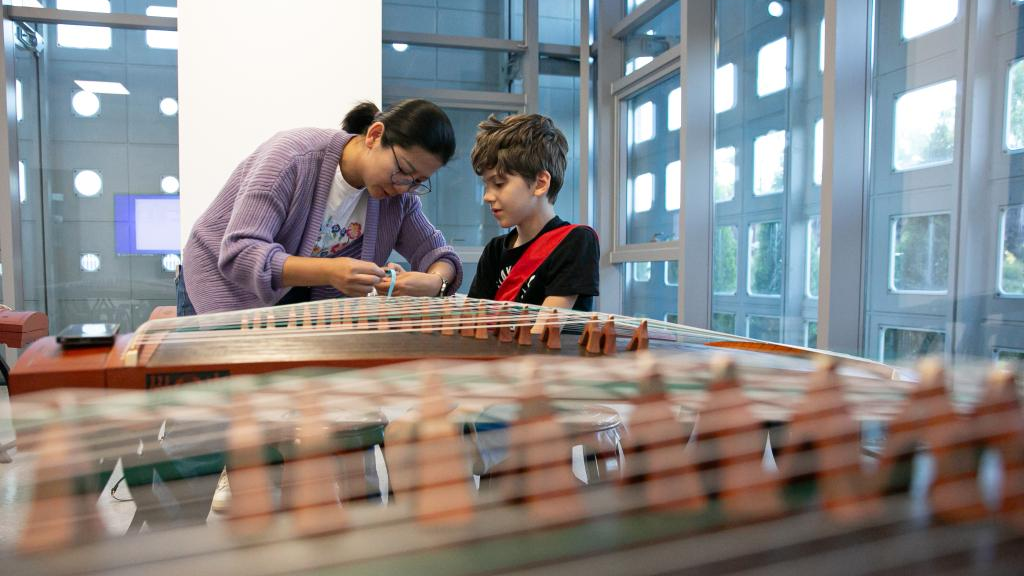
(344, 217)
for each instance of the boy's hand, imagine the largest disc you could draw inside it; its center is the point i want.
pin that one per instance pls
(411, 284)
(353, 277)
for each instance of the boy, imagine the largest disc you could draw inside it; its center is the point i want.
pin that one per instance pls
(544, 259)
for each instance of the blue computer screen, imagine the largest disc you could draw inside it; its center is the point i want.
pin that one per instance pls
(147, 224)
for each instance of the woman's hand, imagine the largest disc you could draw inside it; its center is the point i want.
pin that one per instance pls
(353, 277)
(411, 284)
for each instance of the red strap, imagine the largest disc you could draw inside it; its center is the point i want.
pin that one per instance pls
(535, 255)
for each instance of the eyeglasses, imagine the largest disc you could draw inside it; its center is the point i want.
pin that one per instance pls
(417, 187)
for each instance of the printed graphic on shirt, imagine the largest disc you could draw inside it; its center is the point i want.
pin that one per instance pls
(334, 237)
(522, 292)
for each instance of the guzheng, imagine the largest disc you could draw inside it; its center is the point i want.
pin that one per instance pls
(717, 464)
(352, 332)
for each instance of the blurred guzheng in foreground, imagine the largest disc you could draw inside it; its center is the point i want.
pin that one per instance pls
(649, 463)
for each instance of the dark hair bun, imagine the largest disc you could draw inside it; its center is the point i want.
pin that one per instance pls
(359, 119)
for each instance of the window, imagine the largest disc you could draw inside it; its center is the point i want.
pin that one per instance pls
(723, 322)
(819, 150)
(18, 100)
(632, 4)
(813, 255)
(903, 344)
(771, 67)
(821, 47)
(725, 174)
(673, 186)
(162, 39)
(642, 272)
(634, 64)
(923, 16)
(725, 88)
(643, 192)
(643, 122)
(644, 294)
(810, 334)
(764, 328)
(1011, 250)
(764, 260)
(91, 37)
(655, 36)
(919, 254)
(770, 163)
(672, 273)
(675, 109)
(725, 254)
(1015, 106)
(1009, 355)
(647, 199)
(22, 195)
(924, 125)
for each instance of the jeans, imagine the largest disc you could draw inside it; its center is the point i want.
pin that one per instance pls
(185, 307)
(294, 296)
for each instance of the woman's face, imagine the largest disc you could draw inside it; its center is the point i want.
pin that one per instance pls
(394, 170)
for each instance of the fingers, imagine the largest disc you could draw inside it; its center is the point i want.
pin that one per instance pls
(366, 281)
(358, 267)
(395, 266)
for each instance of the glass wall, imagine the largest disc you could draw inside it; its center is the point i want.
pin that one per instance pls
(470, 84)
(652, 163)
(768, 130)
(648, 180)
(98, 169)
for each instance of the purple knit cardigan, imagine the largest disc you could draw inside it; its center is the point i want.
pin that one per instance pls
(273, 206)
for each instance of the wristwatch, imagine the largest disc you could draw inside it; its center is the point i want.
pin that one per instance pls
(444, 285)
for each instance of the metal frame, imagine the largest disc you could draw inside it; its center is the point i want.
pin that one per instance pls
(124, 21)
(531, 60)
(445, 41)
(10, 206)
(638, 17)
(610, 62)
(622, 89)
(470, 99)
(696, 150)
(583, 193)
(696, 137)
(844, 184)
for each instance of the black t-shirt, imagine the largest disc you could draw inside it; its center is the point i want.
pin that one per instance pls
(570, 269)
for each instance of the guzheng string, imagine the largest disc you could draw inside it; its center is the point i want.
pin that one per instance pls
(402, 314)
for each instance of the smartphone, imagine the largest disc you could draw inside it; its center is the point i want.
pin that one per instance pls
(81, 335)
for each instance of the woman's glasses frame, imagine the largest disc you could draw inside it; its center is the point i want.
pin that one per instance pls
(413, 186)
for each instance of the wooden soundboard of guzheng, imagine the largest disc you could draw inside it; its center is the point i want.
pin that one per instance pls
(638, 464)
(353, 332)
(19, 329)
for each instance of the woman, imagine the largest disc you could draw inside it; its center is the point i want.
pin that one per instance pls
(313, 213)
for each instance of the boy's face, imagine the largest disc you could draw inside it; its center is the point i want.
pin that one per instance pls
(512, 198)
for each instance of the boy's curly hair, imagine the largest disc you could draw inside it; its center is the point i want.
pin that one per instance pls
(523, 145)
